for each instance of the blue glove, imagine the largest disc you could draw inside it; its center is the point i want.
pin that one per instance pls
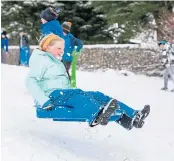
(48, 105)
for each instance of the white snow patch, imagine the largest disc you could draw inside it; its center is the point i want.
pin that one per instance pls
(25, 137)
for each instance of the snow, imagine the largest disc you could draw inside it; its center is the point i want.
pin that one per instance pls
(24, 137)
(101, 16)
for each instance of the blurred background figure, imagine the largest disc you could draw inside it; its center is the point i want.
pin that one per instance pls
(70, 43)
(4, 46)
(50, 24)
(24, 55)
(168, 62)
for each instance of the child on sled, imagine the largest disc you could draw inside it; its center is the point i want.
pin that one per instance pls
(49, 85)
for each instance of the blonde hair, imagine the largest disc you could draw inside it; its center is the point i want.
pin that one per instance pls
(49, 40)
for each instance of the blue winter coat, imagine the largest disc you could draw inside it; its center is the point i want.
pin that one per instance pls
(52, 27)
(70, 43)
(4, 43)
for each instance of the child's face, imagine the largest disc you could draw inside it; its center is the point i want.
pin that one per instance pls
(21, 34)
(57, 49)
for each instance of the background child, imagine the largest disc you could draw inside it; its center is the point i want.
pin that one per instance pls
(49, 22)
(168, 62)
(24, 54)
(70, 43)
(4, 46)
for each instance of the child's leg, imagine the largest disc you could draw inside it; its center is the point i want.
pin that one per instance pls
(89, 104)
(98, 96)
(123, 112)
(85, 105)
(76, 103)
(165, 76)
(171, 72)
(132, 118)
(127, 110)
(104, 99)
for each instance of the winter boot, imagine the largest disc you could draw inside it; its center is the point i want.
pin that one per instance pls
(164, 89)
(105, 113)
(126, 122)
(140, 116)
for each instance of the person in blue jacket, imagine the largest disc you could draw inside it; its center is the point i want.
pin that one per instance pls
(49, 85)
(70, 43)
(4, 46)
(50, 24)
(24, 54)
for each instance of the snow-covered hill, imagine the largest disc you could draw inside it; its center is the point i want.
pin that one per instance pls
(26, 138)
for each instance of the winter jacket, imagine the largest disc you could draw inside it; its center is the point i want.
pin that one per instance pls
(23, 41)
(4, 43)
(70, 43)
(52, 27)
(46, 74)
(168, 55)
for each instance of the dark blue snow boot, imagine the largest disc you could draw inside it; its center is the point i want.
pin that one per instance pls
(139, 118)
(126, 122)
(105, 113)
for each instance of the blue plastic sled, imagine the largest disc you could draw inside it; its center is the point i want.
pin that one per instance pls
(61, 113)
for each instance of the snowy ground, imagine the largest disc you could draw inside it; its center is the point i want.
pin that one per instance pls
(26, 138)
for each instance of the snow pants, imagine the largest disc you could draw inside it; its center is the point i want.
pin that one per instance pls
(24, 56)
(79, 105)
(168, 71)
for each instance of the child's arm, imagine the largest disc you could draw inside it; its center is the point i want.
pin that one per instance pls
(79, 45)
(35, 74)
(76, 42)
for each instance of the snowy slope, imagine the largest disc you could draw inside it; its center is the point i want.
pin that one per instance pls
(26, 138)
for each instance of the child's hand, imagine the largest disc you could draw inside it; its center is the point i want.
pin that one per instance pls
(48, 105)
(77, 52)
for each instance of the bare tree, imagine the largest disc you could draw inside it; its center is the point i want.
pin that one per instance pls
(166, 26)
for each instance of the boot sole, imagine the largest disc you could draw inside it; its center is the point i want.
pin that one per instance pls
(104, 114)
(146, 112)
